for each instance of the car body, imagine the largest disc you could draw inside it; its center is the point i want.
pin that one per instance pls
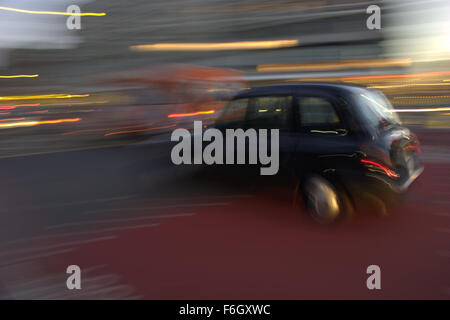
(343, 143)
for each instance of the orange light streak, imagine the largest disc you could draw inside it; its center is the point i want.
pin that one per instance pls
(180, 115)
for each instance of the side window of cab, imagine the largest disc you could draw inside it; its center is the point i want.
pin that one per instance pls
(318, 115)
(270, 112)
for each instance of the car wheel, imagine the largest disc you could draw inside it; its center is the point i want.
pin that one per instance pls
(323, 201)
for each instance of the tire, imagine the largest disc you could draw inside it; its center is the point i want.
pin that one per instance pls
(324, 202)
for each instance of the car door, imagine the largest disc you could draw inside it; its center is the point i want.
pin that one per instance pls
(324, 140)
(274, 112)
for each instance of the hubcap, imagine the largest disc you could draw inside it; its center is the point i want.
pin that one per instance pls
(323, 199)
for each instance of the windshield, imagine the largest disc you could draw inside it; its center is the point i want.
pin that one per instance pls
(377, 109)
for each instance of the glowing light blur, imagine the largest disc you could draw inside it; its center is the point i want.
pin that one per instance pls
(349, 64)
(12, 119)
(410, 85)
(180, 115)
(242, 45)
(43, 97)
(54, 12)
(421, 110)
(20, 76)
(388, 171)
(36, 123)
(423, 97)
(396, 76)
(19, 105)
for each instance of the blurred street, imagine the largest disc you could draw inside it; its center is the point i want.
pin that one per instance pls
(136, 234)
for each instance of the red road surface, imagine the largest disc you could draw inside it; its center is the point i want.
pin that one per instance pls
(263, 248)
(249, 247)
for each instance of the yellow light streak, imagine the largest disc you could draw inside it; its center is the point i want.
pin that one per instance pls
(242, 45)
(409, 85)
(35, 123)
(45, 96)
(421, 110)
(422, 97)
(20, 76)
(54, 13)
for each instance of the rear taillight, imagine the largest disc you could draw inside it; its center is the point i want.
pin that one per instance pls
(391, 173)
(415, 148)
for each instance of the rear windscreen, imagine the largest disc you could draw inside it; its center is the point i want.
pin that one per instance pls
(376, 108)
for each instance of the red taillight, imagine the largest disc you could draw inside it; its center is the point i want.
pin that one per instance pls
(388, 171)
(416, 148)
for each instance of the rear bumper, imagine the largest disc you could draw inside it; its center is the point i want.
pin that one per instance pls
(403, 187)
(365, 187)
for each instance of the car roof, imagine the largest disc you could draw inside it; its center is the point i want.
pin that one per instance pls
(333, 87)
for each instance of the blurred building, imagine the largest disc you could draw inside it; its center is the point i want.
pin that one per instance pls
(326, 30)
